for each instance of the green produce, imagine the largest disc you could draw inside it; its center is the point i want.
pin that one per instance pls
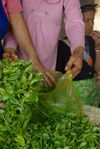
(18, 81)
(19, 92)
(19, 88)
(64, 132)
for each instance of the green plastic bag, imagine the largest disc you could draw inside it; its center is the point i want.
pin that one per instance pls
(63, 99)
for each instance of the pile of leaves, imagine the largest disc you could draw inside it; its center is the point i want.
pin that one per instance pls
(64, 132)
(18, 81)
(19, 91)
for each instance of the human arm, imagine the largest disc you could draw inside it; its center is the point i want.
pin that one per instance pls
(22, 36)
(75, 31)
(21, 33)
(10, 46)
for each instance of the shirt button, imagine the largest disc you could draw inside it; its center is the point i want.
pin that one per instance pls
(46, 13)
(32, 10)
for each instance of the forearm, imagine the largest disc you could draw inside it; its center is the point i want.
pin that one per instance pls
(10, 41)
(22, 35)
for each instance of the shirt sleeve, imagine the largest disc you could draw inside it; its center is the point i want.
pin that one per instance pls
(74, 25)
(13, 6)
(10, 41)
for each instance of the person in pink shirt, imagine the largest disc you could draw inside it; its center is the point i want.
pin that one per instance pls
(10, 12)
(13, 10)
(44, 19)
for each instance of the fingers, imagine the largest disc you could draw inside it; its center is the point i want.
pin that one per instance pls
(69, 63)
(76, 69)
(47, 80)
(51, 78)
(96, 35)
(75, 72)
(2, 106)
(39, 67)
(12, 56)
(75, 64)
(6, 55)
(47, 76)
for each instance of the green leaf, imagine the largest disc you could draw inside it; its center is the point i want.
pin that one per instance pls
(82, 145)
(6, 97)
(20, 140)
(2, 91)
(1, 111)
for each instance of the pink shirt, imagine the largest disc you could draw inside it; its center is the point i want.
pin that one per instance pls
(12, 6)
(44, 18)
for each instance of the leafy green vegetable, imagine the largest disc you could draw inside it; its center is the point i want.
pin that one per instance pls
(19, 91)
(64, 132)
(19, 88)
(19, 82)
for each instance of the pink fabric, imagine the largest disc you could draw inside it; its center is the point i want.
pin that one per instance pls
(44, 18)
(12, 6)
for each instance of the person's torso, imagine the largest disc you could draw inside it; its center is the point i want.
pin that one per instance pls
(44, 19)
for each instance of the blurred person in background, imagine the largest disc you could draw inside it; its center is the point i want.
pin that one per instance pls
(88, 11)
(84, 82)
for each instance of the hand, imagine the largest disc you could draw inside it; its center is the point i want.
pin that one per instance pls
(96, 37)
(75, 64)
(47, 75)
(10, 53)
(2, 106)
